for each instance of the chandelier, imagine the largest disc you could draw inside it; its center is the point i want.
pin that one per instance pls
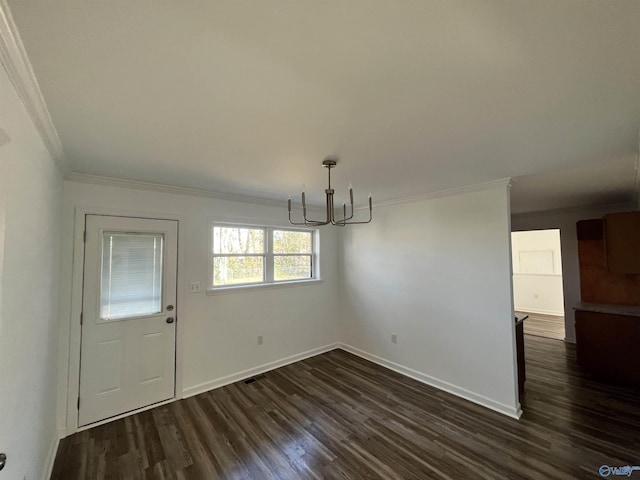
(330, 163)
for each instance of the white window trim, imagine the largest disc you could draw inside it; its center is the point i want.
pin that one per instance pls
(252, 287)
(268, 263)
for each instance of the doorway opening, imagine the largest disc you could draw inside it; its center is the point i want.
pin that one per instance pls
(537, 282)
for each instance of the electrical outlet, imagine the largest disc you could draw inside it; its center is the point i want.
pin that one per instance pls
(260, 339)
(394, 338)
(194, 287)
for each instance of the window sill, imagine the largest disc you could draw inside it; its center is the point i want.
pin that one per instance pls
(262, 286)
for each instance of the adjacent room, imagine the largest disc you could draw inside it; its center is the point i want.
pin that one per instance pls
(537, 281)
(319, 240)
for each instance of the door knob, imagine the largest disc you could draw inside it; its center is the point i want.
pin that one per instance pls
(169, 307)
(3, 460)
(170, 320)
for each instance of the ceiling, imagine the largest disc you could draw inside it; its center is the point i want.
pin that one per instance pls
(415, 97)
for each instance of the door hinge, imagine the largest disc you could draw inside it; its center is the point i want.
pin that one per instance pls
(84, 236)
(81, 318)
(78, 403)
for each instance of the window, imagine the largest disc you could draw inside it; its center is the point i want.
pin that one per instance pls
(537, 262)
(248, 255)
(131, 275)
(238, 255)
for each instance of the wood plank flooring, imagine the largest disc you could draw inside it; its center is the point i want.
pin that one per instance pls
(336, 416)
(549, 326)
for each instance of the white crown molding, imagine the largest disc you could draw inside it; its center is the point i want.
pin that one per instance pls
(238, 197)
(13, 57)
(577, 209)
(159, 187)
(450, 192)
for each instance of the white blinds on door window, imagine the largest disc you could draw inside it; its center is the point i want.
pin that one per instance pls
(131, 275)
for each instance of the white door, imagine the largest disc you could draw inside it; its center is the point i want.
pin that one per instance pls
(127, 356)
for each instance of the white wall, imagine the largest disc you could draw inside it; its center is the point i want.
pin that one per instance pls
(537, 292)
(30, 209)
(217, 332)
(438, 274)
(566, 220)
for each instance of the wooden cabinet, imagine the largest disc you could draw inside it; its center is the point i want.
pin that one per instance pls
(607, 346)
(597, 283)
(522, 377)
(622, 240)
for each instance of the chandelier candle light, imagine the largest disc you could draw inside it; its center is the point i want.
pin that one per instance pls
(330, 163)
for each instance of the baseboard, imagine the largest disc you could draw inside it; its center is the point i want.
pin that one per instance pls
(236, 377)
(541, 312)
(51, 457)
(437, 383)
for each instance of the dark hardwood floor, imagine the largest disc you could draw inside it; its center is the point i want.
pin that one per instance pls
(338, 416)
(549, 326)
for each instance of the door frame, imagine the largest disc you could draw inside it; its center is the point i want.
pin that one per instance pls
(75, 331)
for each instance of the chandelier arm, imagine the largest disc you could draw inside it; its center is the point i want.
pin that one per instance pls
(351, 216)
(350, 202)
(306, 223)
(330, 209)
(361, 222)
(312, 223)
(309, 222)
(338, 223)
(370, 214)
(344, 208)
(357, 223)
(289, 208)
(303, 224)
(342, 222)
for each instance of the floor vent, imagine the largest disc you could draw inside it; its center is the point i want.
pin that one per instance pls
(253, 379)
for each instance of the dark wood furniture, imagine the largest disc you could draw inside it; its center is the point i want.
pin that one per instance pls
(622, 237)
(597, 283)
(607, 342)
(522, 376)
